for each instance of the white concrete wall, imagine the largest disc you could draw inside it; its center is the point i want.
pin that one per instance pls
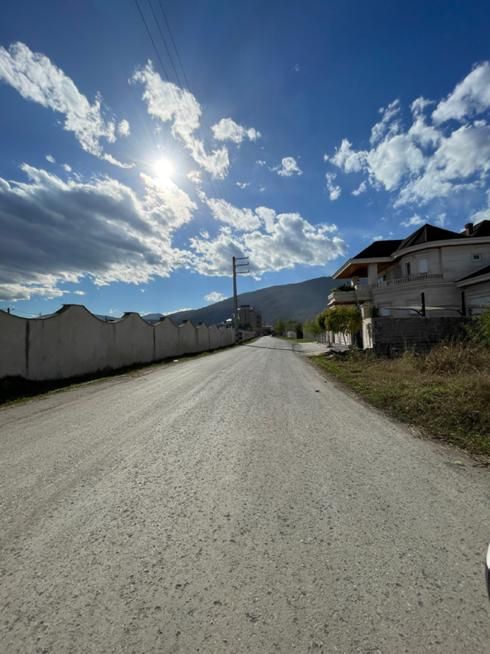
(73, 342)
(477, 297)
(438, 293)
(12, 345)
(187, 338)
(166, 339)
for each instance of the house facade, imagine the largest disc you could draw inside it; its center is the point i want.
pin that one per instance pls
(434, 272)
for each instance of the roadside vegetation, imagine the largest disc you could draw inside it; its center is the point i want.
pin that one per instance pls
(445, 393)
(342, 319)
(282, 327)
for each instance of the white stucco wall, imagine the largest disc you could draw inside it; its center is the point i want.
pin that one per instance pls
(214, 337)
(73, 343)
(166, 339)
(187, 338)
(202, 338)
(12, 345)
(477, 297)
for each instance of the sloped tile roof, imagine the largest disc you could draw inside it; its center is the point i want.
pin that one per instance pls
(378, 249)
(426, 234)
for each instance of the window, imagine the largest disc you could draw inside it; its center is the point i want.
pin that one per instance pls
(407, 268)
(476, 257)
(423, 265)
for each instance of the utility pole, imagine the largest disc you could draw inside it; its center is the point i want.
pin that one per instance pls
(238, 264)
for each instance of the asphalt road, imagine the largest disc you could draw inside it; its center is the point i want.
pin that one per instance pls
(234, 503)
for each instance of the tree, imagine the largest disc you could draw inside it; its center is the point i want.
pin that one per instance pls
(279, 327)
(312, 327)
(344, 319)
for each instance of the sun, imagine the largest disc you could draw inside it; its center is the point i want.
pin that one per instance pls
(163, 170)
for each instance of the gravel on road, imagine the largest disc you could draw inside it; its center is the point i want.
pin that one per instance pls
(234, 503)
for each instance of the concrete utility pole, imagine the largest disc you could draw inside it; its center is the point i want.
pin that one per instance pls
(243, 263)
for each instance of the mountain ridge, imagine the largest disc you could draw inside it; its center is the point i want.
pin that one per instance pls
(297, 301)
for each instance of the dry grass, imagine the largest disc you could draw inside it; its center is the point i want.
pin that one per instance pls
(446, 393)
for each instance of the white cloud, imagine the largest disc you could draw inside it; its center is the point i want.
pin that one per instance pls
(227, 130)
(50, 158)
(37, 79)
(174, 105)
(195, 176)
(431, 158)
(243, 185)
(261, 162)
(347, 159)
(56, 231)
(394, 158)
(214, 296)
(288, 241)
(334, 191)
(478, 216)
(387, 126)
(362, 188)
(288, 167)
(123, 128)
(414, 221)
(166, 201)
(419, 104)
(241, 219)
(471, 96)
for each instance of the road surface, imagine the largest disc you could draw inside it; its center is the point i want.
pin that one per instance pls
(234, 503)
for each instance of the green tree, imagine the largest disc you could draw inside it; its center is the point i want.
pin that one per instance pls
(312, 327)
(279, 327)
(343, 319)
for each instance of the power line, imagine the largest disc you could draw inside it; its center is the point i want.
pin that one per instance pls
(172, 89)
(152, 41)
(162, 35)
(169, 29)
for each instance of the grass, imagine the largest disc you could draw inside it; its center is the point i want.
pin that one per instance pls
(446, 394)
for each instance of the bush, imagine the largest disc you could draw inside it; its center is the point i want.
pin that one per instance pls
(455, 358)
(480, 329)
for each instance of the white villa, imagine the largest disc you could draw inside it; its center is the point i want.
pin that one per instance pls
(433, 272)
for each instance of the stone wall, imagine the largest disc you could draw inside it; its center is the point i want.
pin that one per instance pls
(73, 343)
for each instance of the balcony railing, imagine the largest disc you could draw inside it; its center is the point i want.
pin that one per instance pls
(419, 277)
(356, 294)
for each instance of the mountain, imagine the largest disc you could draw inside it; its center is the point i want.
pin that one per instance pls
(288, 302)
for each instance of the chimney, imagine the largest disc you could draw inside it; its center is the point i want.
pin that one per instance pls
(468, 229)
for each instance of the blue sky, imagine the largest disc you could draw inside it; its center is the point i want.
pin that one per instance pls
(294, 133)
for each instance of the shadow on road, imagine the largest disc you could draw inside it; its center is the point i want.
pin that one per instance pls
(268, 347)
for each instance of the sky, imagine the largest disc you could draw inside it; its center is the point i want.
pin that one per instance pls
(146, 142)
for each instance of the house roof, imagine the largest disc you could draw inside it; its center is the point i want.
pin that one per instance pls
(482, 229)
(378, 249)
(426, 234)
(384, 252)
(478, 273)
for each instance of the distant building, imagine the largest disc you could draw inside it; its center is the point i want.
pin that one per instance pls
(249, 319)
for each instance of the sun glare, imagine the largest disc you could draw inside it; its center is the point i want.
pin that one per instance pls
(163, 170)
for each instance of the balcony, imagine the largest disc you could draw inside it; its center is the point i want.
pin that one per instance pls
(409, 279)
(360, 293)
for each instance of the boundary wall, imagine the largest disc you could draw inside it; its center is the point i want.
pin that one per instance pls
(391, 336)
(73, 342)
